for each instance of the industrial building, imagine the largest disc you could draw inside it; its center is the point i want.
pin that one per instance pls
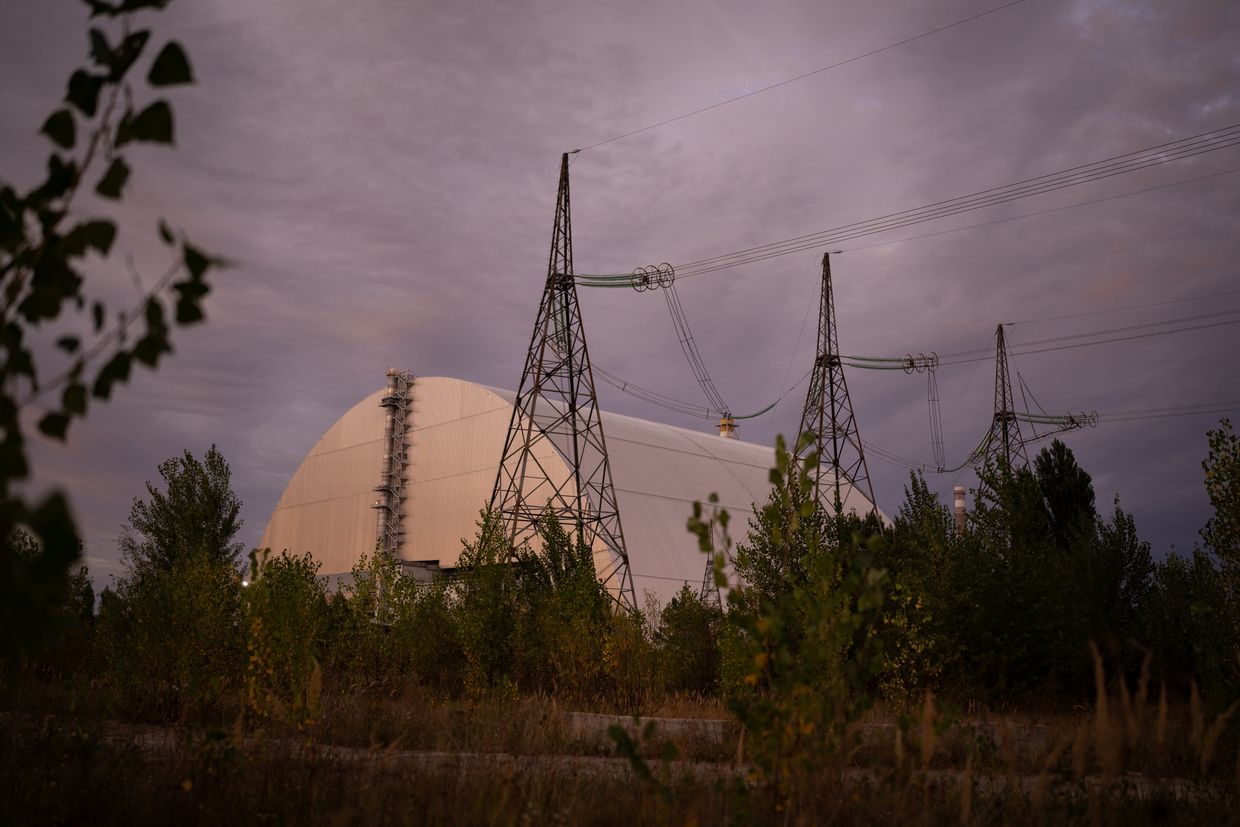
(448, 436)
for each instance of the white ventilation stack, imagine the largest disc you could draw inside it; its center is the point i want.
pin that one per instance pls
(959, 510)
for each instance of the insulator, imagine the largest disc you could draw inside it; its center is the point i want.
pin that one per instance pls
(656, 275)
(666, 275)
(641, 279)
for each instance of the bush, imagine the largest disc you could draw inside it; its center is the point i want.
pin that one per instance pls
(688, 639)
(425, 629)
(171, 641)
(357, 641)
(807, 653)
(285, 608)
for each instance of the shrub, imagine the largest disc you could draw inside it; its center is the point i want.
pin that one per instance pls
(357, 639)
(426, 631)
(808, 652)
(170, 640)
(688, 639)
(285, 608)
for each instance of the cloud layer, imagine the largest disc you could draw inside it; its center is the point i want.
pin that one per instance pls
(384, 174)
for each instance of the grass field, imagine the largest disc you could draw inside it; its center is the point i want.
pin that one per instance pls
(403, 756)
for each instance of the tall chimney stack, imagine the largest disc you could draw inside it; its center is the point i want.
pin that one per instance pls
(959, 510)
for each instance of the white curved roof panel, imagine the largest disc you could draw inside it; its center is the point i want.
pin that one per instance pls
(454, 443)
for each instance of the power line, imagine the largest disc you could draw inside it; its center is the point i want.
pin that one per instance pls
(1127, 307)
(625, 279)
(689, 347)
(654, 397)
(1036, 213)
(1075, 345)
(893, 458)
(800, 77)
(951, 358)
(891, 492)
(1164, 413)
(686, 408)
(809, 306)
(690, 409)
(1129, 328)
(779, 398)
(1085, 173)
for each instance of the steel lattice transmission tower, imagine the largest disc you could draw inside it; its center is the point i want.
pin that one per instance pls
(556, 407)
(828, 414)
(1005, 442)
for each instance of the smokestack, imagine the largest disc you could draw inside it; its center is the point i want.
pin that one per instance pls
(727, 427)
(959, 496)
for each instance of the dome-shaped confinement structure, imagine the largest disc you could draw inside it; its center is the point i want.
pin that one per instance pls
(453, 435)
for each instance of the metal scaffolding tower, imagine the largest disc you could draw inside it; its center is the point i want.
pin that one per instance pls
(709, 592)
(390, 529)
(828, 414)
(556, 404)
(390, 506)
(1005, 443)
(1003, 446)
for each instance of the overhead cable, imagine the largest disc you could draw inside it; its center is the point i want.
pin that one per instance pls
(687, 408)
(802, 76)
(1047, 211)
(622, 279)
(1180, 149)
(1126, 307)
(953, 358)
(654, 397)
(687, 345)
(1112, 340)
(936, 419)
(1200, 409)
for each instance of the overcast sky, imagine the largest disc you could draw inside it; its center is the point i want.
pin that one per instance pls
(383, 173)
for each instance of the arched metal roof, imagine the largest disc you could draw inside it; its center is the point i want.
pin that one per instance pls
(454, 444)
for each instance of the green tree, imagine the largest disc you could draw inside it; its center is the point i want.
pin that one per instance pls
(1187, 627)
(46, 243)
(286, 605)
(1105, 566)
(1067, 490)
(68, 624)
(197, 512)
(425, 626)
(562, 616)
(538, 620)
(1221, 534)
(1193, 618)
(783, 537)
(805, 654)
(357, 645)
(489, 610)
(1117, 577)
(171, 641)
(688, 638)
